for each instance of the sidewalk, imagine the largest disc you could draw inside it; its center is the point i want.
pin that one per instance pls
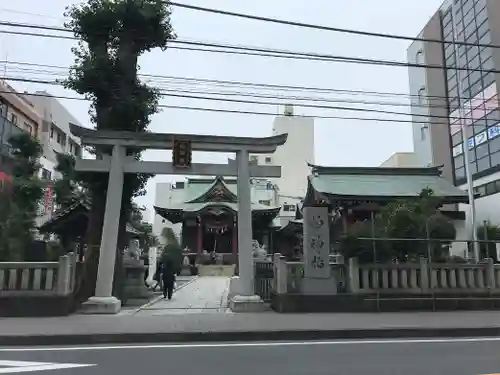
(201, 295)
(81, 330)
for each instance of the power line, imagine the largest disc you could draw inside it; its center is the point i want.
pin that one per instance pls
(280, 97)
(29, 14)
(264, 103)
(170, 94)
(183, 94)
(258, 51)
(219, 110)
(324, 28)
(288, 99)
(254, 85)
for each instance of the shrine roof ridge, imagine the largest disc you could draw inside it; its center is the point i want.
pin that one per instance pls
(378, 171)
(165, 140)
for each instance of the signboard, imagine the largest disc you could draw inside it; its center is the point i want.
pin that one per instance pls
(493, 131)
(480, 138)
(181, 154)
(316, 243)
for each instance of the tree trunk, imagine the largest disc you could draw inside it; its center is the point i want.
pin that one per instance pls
(88, 276)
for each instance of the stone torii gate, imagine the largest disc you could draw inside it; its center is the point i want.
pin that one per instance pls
(119, 163)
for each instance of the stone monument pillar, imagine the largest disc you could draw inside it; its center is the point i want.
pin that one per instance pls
(316, 247)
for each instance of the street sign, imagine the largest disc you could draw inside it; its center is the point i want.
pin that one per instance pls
(182, 154)
(11, 367)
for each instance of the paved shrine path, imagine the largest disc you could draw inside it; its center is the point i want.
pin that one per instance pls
(203, 295)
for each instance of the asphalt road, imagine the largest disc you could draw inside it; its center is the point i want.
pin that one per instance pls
(456, 356)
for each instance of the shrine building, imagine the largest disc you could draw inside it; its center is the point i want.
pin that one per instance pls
(207, 213)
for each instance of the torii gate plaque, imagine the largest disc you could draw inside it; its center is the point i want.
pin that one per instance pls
(118, 163)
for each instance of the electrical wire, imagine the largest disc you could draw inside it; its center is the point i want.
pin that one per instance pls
(245, 112)
(182, 93)
(259, 51)
(182, 90)
(240, 101)
(324, 28)
(261, 85)
(219, 110)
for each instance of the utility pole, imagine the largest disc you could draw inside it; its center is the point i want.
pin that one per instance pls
(465, 140)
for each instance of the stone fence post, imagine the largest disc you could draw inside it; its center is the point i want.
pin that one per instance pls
(424, 274)
(72, 276)
(353, 275)
(281, 273)
(64, 276)
(490, 274)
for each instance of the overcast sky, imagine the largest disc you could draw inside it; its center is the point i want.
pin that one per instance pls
(338, 142)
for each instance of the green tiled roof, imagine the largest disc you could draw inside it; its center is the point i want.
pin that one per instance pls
(199, 195)
(196, 189)
(195, 207)
(383, 182)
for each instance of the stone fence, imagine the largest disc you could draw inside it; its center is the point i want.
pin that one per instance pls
(25, 279)
(397, 279)
(422, 277)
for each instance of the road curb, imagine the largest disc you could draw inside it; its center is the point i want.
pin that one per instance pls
(250, 336)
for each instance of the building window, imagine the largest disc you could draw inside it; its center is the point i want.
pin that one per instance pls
(266, 202)
(268, 160)
(423, 129)
(460, 173)
(28, 128)
(483, 164)
(52, 133)
(495, 159)
(289, 207)
(458, 161)
(419, 58)
(421, 96)
(457, 150)
(58, 137)
(3, 109)
(13, 118)
(46, 174)
(254, 159)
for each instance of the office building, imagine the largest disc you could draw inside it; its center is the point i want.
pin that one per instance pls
(445, 99)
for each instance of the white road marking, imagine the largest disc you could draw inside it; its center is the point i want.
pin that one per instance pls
(11, 367)
(252, 344)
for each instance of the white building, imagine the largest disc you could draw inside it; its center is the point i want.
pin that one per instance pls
(55, 134)
(293, 157)
(401, 160)
(55, 137)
